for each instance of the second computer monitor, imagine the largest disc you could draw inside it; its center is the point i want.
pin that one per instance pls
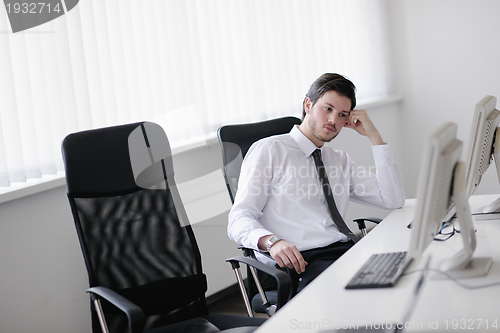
(480, 150)
(481, 140)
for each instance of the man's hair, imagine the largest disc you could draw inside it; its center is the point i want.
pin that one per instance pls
(327, 82)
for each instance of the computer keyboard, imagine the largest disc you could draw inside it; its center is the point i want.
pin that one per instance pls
(378, 272)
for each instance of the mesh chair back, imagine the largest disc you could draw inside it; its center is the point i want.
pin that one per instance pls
(235, 141)
(132, 238)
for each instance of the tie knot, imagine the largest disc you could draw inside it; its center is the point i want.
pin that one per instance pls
(316, 155)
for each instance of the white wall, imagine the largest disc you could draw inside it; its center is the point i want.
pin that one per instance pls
(42, 274)
(446, 58)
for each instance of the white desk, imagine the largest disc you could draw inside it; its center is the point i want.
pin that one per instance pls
(441, 306)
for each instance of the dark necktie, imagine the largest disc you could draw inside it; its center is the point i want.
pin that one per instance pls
(334, 212)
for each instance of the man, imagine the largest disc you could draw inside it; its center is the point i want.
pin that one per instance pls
(281, 205)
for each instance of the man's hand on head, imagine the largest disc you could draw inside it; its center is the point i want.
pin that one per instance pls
(359, 121)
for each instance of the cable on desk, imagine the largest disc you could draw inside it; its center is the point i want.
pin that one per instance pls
(447, 235)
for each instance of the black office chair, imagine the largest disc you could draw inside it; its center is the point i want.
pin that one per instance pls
(143, 263)
(235, 140)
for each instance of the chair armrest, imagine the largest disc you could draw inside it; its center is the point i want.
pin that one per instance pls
(134, 313)
(361, 221)
(250, 253)
(283, 279)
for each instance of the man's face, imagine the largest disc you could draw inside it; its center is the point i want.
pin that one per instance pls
(326, 118)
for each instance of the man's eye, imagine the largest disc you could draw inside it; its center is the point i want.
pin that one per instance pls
(343, 115)
(327, 108)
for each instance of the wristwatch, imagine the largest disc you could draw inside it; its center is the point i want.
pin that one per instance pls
(273, 240)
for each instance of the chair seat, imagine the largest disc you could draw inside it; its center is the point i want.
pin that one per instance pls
(166, 295)
(196, 325)
(212, 324)
(225, 321)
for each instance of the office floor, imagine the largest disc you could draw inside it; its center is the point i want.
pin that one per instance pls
(230, 302)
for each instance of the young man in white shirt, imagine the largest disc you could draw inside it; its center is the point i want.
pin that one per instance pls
(280, 205)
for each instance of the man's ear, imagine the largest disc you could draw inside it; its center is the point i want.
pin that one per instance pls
(307, 105)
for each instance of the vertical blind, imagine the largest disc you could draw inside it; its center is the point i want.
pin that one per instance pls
(199, 63)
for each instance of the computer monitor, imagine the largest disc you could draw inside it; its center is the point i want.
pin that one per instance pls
(481, 148)
(442, 153)
(442, 182)
(484, 145)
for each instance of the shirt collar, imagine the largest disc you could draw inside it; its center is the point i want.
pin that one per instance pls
(303, 142)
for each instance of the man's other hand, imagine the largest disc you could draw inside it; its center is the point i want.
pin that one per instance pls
(287, 255)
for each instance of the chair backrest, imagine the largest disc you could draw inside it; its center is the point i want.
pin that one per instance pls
(132, 238)
(235, 141)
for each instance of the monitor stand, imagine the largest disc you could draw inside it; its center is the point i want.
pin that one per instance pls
(492, 211)
(462, 265)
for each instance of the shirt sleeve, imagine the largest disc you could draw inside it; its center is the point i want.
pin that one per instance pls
(382, 188)
(253, 191)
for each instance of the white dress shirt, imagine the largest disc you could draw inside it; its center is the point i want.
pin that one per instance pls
(279, 191)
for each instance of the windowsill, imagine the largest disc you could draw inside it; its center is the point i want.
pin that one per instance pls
(32, 186)
(373, 103)
(48, 182)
